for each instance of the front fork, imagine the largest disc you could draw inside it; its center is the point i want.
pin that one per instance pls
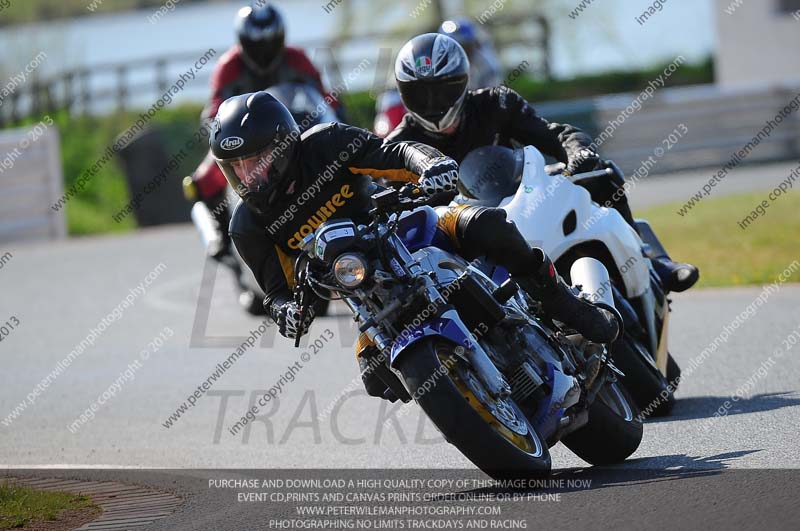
(485, 369)
(447, 325)
(450, 326)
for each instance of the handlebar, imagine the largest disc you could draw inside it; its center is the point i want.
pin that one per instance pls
(390, 200)
(555, 169)
(605, 168)
(590, 175)
(411, 191)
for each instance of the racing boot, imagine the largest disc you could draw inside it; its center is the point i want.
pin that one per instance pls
(674, 276)
(559, 302)
(487, 232)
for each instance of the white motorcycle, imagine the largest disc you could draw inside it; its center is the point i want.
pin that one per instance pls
(556, 214)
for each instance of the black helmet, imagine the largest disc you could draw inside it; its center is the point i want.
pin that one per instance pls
(254, 140)
(432, 72)
(262, 36)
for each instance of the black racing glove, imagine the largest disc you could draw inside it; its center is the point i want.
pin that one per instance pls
(585, 160)
(287, 317)
(440, 177)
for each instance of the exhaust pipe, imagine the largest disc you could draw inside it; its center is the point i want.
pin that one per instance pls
(591, 277)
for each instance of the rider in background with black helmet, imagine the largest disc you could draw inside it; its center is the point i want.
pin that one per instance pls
(291, 183)
(432, 73)
(259, 60)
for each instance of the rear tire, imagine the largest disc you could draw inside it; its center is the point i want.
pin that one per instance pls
(644, 382)
(673, 372)
(463, 419)
(614, 430)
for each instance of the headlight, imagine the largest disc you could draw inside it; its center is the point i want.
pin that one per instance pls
(350, 270)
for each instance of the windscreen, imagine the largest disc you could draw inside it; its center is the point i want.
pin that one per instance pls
(491, 173)
(304, 101)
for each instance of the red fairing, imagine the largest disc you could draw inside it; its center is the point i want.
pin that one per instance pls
(390, 112)
(209, 178)
(227, 72)
(386, 121)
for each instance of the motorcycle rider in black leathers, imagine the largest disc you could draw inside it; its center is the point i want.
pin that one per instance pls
(432, 72)
(291, 183)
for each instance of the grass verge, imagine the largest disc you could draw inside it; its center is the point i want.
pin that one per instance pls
(21, 506)
(726, 254)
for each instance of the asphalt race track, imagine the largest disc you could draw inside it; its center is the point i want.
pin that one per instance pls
(59, 292)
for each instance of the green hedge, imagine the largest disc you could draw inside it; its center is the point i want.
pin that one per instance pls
(83, 142)
(536, 90)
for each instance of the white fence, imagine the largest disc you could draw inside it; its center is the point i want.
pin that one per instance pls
(30, 181)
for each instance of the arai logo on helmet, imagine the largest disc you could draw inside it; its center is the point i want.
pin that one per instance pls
(424, 65)
(231, 143)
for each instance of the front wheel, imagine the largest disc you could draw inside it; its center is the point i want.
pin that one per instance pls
(614, 430)
(492, 433)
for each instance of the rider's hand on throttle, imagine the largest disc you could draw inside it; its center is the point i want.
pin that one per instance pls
(290, 324)
(584, 161)
(439, 177)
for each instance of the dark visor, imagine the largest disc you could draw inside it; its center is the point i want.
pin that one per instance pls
(432, 99)
(263, 52)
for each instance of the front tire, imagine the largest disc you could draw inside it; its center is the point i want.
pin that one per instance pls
(614, 430)
(435, 375)
(321, 306)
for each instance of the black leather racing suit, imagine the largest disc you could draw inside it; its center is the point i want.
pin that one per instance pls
(498, 115)
(333, 179)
